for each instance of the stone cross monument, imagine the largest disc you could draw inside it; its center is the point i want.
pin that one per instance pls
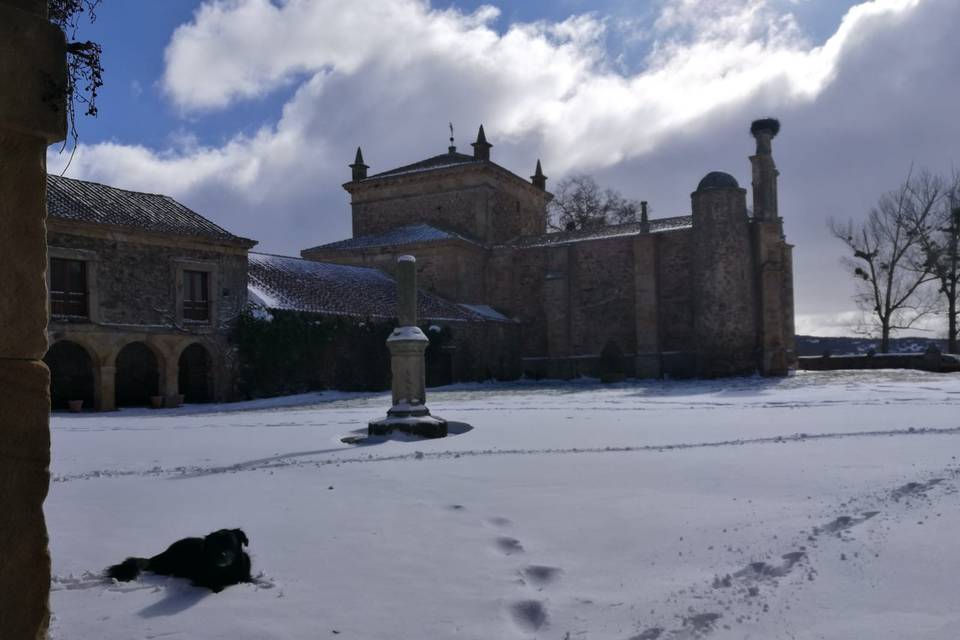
(407, 345)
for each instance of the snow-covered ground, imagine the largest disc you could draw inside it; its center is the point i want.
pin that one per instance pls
(820, 506)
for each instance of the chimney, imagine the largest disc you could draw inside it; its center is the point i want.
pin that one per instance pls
(644, 220)
(538, 179)
(764, 169)
(359, 168)
(481, 148)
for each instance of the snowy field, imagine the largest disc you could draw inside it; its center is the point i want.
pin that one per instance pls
(820, 506)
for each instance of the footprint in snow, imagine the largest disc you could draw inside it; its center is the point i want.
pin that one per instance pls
(540, 576)
(528, 615)
(508, 546)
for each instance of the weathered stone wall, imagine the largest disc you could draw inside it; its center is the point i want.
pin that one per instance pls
(137, 283)
(486, 350)
(602, 295)
(453, 270)
(675, 276)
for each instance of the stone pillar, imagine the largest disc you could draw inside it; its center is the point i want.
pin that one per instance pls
(407, 345)
(171, 383)
(33, 75)
(108, 389)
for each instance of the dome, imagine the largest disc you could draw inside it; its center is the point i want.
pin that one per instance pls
(717, 180)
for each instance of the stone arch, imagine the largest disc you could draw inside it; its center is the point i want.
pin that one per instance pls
(74, 374)
(138, 374)
(195, 378)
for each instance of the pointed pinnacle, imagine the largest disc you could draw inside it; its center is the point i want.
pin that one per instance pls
(359, 158)
(481, 136)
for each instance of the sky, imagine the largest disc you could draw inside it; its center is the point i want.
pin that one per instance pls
(249, 111)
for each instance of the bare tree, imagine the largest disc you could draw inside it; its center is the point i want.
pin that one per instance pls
(580, 203)
(940, 241)
(887, 260)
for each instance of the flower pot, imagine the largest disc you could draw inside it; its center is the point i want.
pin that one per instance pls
(156, 402)
(76, 406)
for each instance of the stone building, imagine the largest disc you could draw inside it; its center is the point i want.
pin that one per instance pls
(142, 294)
(708, 294)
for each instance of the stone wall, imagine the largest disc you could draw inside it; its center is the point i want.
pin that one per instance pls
(136, 281)
(450, 269)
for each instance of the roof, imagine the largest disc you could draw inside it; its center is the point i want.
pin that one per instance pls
(407, 234)
(443, 161)
(599, 233)
(717, 180)
(82, 201)
(295, 284)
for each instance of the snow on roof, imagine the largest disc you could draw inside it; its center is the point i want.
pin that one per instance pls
(599, 233)
(83, 201)
(442, 161)
(295, 284)
(486, 311)
(408, 234)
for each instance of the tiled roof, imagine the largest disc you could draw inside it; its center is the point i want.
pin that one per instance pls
(599, 233)
(442, 161)
(82, 201)
(408, 234)
(295, 284)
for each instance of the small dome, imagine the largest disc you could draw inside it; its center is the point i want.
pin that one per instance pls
(717, 180)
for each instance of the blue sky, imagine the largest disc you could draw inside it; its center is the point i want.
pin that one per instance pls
(249, 111)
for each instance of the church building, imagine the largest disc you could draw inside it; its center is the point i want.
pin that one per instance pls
(704, 294)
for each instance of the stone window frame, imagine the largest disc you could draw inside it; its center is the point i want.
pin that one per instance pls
(212, 269)
(92, 261)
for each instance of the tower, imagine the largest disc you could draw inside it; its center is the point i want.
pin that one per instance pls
(773, 260)
(722, 273)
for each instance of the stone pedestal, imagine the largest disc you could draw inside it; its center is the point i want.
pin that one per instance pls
(407, 345)
(32, 74)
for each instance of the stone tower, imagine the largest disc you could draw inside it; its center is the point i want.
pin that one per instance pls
(773, 261)
(722, 274)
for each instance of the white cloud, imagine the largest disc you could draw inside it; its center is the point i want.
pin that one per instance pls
(390, 74)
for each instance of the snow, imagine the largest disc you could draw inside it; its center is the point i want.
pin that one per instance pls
(486, 312)
(818, 506)
(407, 334)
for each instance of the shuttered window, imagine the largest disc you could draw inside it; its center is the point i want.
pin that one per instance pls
(196, 296)
(68, 288)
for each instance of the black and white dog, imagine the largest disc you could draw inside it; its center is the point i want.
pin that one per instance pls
(215, 561)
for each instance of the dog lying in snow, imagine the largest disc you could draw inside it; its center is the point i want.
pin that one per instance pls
(215, 561)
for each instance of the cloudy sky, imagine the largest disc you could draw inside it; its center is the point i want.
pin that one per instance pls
(249, 110)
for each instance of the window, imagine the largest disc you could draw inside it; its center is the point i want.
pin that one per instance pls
(68, 288)
(196, 296)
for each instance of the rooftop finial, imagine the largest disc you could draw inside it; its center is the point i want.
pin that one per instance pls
(538, 179)
(481, 148)
(359, 168)
(451, 148)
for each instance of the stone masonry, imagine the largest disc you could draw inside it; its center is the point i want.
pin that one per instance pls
(33, 73)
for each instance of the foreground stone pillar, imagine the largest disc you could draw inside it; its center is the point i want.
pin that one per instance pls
(407, 346)
(108, 389)
(32, 116)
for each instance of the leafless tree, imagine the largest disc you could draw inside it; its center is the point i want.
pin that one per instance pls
(940, 242)
(887, 260)
(580, 203)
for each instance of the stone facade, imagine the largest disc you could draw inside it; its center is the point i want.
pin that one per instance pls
(708, 294)
(135, 297)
